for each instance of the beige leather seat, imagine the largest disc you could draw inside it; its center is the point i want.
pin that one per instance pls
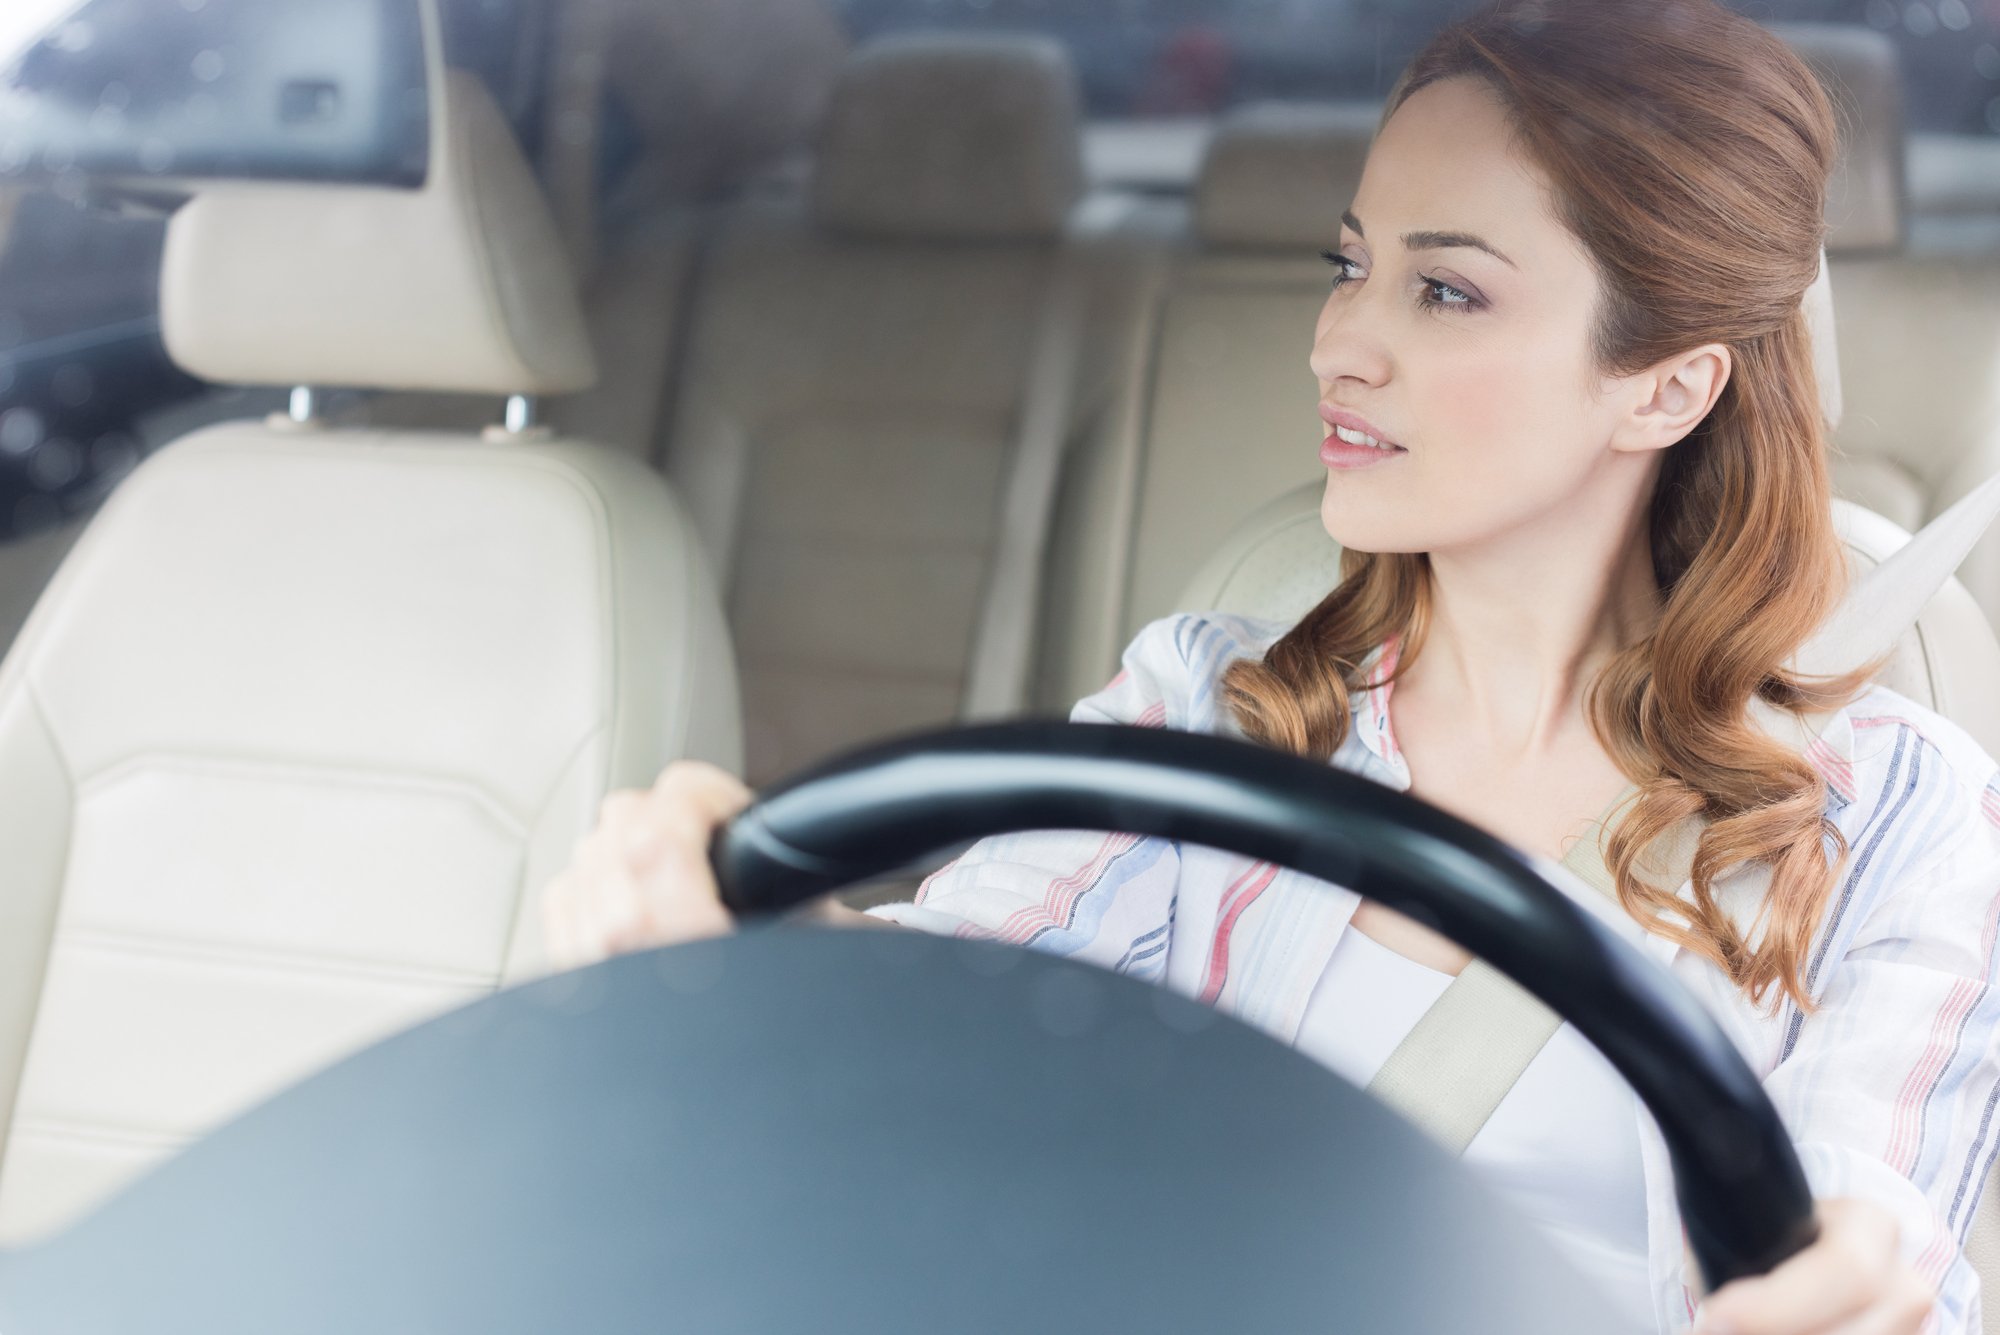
(1226, 400)
(1919, 334)
(299, 731)
(860, 365)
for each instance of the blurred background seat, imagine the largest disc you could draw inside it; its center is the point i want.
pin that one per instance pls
(1919, 333)
(860, 364)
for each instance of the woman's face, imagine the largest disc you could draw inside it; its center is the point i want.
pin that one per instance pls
(1458, 333)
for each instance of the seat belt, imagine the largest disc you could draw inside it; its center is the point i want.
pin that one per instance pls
(1458, 1062)
(996, 681)
(1453, 1068)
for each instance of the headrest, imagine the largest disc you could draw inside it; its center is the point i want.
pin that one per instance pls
(1864, 198)
(461, 285)
(1278, 174)
(1818, 306)
(965, 137)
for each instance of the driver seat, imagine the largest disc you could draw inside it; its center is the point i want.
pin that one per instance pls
(1279, 562)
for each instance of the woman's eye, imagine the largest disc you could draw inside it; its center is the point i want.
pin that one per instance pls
(1444, 294)
(1344, 268)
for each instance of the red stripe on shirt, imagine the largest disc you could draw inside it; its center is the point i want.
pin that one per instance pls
(1910, 1103)
(1838, 773)
(1235, 899)
(1062, 892)
(1923, 1078)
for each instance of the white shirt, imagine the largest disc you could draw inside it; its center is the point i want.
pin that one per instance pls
(1562, 1146)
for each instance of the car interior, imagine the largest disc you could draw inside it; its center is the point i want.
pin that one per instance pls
(769, 388)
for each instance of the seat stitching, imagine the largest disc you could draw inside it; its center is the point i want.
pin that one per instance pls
(162, 946)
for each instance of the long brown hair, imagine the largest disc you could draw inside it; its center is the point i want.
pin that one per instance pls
(1688, 149)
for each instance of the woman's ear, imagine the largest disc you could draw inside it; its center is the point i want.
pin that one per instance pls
(1670, 399)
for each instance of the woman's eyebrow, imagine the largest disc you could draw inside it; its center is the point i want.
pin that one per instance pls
(1435, 240)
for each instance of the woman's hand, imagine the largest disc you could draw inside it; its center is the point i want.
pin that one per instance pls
(1850, 1281)
(642, 878)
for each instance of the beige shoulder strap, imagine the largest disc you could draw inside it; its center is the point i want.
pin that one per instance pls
(1455, 1066)
(1452, 1069)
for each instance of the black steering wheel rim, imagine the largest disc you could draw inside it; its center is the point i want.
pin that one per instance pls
(1743, 1194)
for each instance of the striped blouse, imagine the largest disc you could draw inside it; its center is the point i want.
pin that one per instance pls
(1889, 1089)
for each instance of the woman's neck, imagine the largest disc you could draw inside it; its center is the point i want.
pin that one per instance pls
(1520, 625)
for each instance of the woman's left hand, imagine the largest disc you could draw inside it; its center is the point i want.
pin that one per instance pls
(1851, 1281)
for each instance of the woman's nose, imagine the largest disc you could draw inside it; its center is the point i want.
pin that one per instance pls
(1346, 345)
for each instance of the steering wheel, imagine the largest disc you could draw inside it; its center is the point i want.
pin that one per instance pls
(890, 1131)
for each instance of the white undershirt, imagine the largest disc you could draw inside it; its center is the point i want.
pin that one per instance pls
(1562, 1147)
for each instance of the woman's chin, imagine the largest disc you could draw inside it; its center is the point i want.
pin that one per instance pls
(1367, 529)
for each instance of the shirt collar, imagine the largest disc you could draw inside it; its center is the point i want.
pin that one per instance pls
(1368, 705)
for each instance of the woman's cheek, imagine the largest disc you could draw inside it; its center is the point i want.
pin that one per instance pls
(1481, 463)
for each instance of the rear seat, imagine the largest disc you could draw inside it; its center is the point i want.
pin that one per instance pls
(1227, 400)
(858, 367)
(1919, 333)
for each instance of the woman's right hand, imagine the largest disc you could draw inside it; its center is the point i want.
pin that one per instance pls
(642, 877)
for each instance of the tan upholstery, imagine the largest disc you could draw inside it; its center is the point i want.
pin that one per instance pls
(635, 303)
(1277, 175)
(1919, 348)
(717, 88)
(26, 565)
(1919, 334)
(842, 439)
(1823, 330)
(1857, 66)
(932, 136)
(461, 285)
(292, 742)
(850, 404)
(308, 718)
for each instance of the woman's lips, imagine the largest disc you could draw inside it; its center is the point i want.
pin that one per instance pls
(1357, 451)
(1337, 453)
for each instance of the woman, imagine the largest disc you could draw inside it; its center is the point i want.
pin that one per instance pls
(1577, 465)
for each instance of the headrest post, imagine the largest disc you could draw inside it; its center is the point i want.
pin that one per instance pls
(304, 407)
(520, 414)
